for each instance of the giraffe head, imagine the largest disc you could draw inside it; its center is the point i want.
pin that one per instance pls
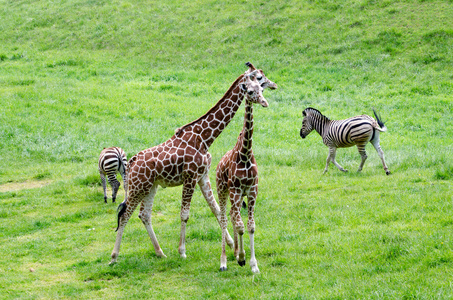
(253, 90)
(262, 79)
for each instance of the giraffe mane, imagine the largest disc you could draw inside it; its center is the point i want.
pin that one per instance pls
(181, 129)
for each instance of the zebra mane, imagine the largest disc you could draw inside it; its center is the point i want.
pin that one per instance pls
(315, 111)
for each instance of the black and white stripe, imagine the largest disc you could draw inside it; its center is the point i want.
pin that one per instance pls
(111, 161)
(335, 134)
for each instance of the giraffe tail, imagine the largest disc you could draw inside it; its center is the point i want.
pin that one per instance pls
(121, 210)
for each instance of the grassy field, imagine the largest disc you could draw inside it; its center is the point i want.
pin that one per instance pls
(80, 75)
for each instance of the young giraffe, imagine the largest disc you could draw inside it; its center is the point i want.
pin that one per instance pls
(182, 160)
(236, 177)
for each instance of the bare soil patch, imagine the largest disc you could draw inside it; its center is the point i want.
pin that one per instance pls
(17, 186)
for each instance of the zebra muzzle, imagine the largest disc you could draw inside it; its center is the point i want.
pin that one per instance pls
(302, 135)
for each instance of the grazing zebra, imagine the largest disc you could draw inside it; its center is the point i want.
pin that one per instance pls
(113, 160)
(357, 131)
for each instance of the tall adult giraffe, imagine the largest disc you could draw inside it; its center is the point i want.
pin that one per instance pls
(182, 160)
(236, 177)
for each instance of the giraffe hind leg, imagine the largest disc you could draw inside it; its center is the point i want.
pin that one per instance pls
(125, 212)
(145, 215)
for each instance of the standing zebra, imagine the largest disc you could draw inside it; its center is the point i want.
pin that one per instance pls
(113, 160)
(357, 131)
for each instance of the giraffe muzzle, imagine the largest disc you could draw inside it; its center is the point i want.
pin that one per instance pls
(264, 103)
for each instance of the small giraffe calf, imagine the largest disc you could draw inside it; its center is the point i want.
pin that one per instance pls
(111, 161)
(236, 177)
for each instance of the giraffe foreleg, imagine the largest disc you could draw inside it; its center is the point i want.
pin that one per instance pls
(145, 215)
(187, 193)
(236, 203)
(206, 190)
(223, 224)
(251, 228)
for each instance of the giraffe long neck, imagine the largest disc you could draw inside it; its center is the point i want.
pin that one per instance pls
(247, 133)
(209, 126)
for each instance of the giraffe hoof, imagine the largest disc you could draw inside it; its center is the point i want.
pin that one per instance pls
(387, 172)
(241, 263)
(222, 269)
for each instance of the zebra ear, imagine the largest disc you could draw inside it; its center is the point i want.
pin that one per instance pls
(304, 113)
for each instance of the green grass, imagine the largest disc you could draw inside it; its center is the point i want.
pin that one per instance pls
(77, 76)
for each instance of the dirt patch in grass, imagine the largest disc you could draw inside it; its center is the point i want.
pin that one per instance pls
(29, 184)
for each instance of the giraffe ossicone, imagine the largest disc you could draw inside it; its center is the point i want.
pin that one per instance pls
(182, 160)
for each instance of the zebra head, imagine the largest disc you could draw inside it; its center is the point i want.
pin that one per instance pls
(253, 89)
(307, 125)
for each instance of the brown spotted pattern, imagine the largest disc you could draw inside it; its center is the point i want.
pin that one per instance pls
(182, 160)
(236, 177)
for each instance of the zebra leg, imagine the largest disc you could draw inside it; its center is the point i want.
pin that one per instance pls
(115, 186)
(328, 161)
(123, 175)
(145, 215)
(376, 145)
(362, 152)
(332, 155)
(104, 185)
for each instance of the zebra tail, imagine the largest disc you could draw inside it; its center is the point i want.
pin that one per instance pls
(121, 210)
(379, 121)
